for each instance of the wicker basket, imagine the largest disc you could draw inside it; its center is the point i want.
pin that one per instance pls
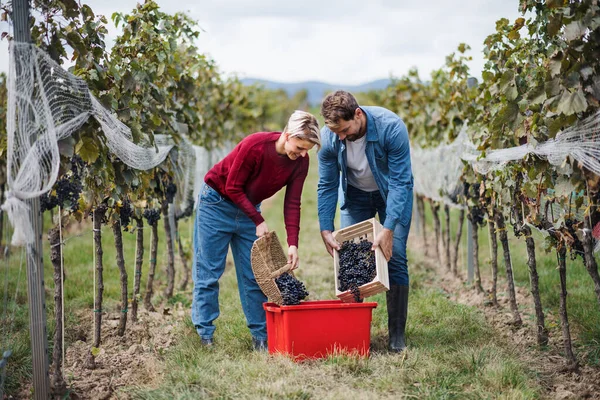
(268, 263)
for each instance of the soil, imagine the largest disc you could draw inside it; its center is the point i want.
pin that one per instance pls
(560, 381)
(122, 361)
(133, 359)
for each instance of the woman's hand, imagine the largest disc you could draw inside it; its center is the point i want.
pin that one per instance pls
(293, 257)
(262, 229)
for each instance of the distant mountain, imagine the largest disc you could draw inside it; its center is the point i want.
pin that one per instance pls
(317, 90)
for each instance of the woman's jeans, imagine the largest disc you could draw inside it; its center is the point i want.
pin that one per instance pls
(220, 223)
(361, 206)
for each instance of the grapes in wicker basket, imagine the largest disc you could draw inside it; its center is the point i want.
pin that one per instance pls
(292, 290)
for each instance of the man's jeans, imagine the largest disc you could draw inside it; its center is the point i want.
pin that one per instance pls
(363, 205)
(220, 223)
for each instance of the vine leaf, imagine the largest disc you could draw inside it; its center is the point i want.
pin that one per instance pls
(572, 103)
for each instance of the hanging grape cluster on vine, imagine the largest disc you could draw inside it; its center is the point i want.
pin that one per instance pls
(170, 191)
(125, 213)
(67, 189)
(292, 290)
(152, 215)
(357, 266)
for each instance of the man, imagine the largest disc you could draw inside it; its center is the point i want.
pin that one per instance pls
(368, 149)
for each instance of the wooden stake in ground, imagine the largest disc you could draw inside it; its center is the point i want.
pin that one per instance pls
(116, 226)
(2, 217)
(447, 235)
(561, 251)
(494, 260)
(461, 220)
(139, 262)
(590, 260)
(170, 251)
(542, 332)
(98, 216)
(509, 273)
(59, 387)
(475, 255)
(421, 210)
(152, 269)
(435, 207)
(183, 257)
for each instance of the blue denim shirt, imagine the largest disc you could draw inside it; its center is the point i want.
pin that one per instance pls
(388, 154)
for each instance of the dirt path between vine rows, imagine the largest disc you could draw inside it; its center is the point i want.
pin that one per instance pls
(558, 382)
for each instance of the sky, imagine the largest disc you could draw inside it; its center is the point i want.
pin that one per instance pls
(339, 42)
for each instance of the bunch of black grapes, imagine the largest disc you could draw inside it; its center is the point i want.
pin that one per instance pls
(126, 212)
(170, 191)
(357, 266)
(152, 215)
(66, 190)
(292, 290)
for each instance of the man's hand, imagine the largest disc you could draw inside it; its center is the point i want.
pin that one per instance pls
(330, 242)
(385, 242)
(262, 229)
(293, 257)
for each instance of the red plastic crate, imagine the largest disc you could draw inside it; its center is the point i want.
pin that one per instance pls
(315, 329)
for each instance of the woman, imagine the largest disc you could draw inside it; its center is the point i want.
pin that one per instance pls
(228, 213)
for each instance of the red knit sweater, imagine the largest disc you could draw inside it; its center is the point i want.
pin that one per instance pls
(254, 171)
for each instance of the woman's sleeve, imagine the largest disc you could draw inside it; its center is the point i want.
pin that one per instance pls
(291, 206)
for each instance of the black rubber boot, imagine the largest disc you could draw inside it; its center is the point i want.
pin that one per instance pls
(260, 345)
(397, 307)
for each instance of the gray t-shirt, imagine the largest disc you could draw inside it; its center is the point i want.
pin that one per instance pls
(359, 172)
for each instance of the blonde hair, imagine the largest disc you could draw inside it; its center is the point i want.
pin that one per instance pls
(304, 126)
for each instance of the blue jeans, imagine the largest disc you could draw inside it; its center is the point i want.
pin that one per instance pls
(363, 205)
(220, 223)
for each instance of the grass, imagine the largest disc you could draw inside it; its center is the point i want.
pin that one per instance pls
(452, 352)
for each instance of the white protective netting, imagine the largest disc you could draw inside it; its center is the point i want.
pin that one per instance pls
(47, 104)
(183, 164)
(206, 159)
(437, 171)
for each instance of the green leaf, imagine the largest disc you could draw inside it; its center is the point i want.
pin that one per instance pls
(87, 150)
(87, 12)
(508, 85)
(537, 95)
(555, 66)
(552, 87)
(95, 351)
(66, 147)
(575, 30)
(506, 117)
(563, 188)
(554, 24)
(571, 103)
(555, 3)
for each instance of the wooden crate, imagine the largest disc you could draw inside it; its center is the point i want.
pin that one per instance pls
(369, 228)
